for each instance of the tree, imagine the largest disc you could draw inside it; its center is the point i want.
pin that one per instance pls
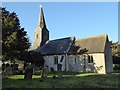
(36, 58)
(116, 55)
(115, 47)
(15, 41)
(33, 57)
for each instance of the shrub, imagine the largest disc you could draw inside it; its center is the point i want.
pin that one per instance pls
(116, 66)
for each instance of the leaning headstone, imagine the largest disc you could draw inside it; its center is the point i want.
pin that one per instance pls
(42, 72)
(46, 71)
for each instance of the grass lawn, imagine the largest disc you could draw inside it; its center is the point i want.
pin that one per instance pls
(69, 80)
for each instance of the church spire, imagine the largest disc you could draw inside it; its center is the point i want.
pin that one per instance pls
(41, 34)
(41, 20)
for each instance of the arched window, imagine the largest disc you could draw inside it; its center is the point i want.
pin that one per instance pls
(75, 60)
(90, 59)
(61, 60)
(55, 59)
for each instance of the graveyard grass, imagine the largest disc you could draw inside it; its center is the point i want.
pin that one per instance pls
(69, 80)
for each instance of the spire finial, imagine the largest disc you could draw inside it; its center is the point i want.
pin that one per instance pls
(41, 20)
(40, 6)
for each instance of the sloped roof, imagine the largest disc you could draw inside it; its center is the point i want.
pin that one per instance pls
(58, 46)
(69, 45)
(94, 44)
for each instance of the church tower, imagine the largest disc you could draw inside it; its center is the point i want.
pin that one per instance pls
(41, 34)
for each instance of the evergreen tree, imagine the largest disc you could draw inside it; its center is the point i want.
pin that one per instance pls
(15, 41)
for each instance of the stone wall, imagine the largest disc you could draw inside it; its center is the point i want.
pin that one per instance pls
(50, 61)
(79, 63)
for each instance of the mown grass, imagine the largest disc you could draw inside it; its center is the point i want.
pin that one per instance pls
(69, 80)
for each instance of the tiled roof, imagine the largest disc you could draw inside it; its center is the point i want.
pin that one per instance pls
(58, 46)
(94, 44)
(69, 45)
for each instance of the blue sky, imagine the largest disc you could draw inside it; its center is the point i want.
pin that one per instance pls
(79, 19)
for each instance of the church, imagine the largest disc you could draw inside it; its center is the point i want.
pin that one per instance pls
(92, 54)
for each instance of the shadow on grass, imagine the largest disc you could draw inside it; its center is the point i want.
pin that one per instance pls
(22, 83)
(63, 73)
(70, 81)
(56, 72)
(99, 81)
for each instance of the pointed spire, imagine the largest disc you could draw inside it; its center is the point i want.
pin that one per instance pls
(41, 20)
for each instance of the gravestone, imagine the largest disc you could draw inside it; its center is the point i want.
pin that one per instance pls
(44, 71)
(28, 73)
(8, 70)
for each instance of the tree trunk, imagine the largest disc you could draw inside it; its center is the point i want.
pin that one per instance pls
(28, 74)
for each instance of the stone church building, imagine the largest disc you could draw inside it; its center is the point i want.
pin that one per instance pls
(91, 54)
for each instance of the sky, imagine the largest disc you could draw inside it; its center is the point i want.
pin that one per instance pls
(65, 19)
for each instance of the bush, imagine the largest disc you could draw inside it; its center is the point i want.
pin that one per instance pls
(116, 66)
(52, 69)
(21, 72)
(116, 59)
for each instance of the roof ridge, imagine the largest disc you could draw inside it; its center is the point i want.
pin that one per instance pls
(103, 35)
(72, 38)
